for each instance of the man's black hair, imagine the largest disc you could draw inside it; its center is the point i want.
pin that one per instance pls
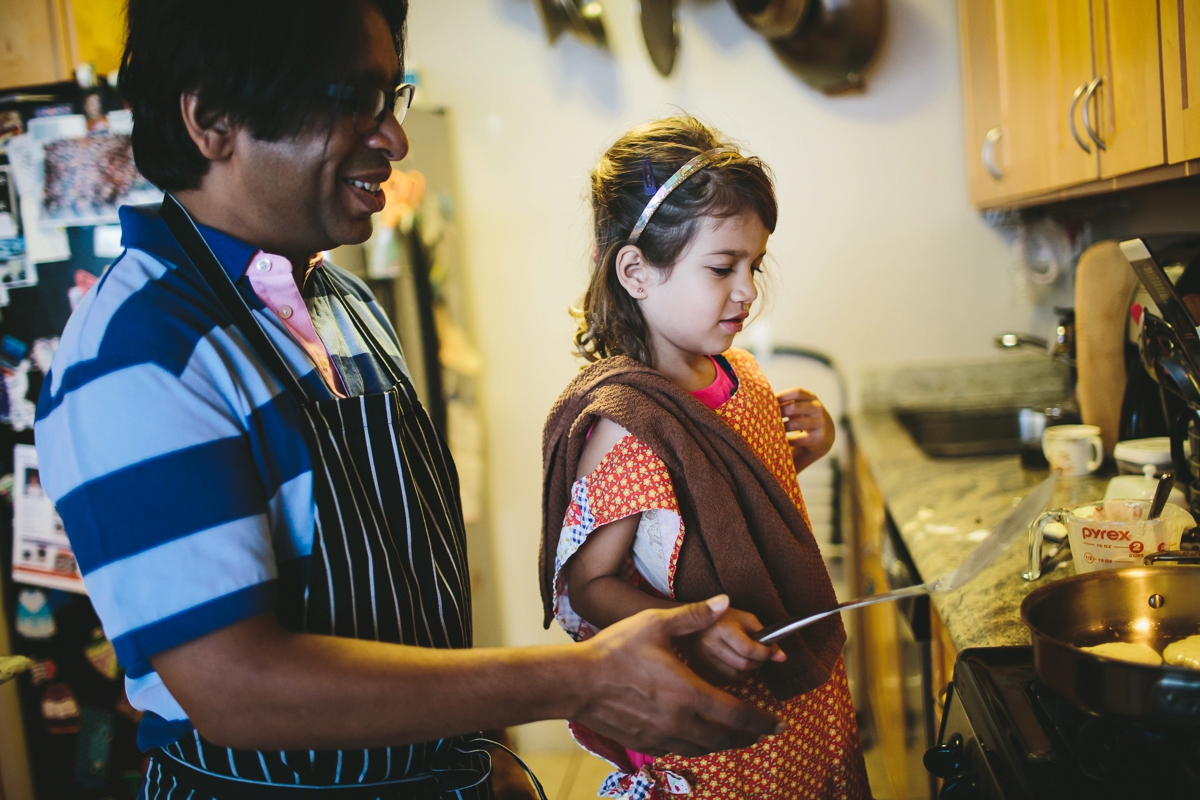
(260, 63)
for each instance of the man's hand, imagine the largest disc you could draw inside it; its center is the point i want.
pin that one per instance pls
(255, 686)
(644, 697)
(809, 427)
(727, 653)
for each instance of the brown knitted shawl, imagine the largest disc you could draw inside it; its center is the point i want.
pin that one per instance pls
(744, 535)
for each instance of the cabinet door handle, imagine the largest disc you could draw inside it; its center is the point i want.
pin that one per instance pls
(1083, 87)
(1087, 118)
(989, 152)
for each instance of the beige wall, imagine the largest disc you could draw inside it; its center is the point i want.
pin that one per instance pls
(878, 257)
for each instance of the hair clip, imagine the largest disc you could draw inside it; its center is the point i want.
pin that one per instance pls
(686, 171)
(649, 184)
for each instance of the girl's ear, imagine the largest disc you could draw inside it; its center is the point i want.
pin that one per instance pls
(633, 271)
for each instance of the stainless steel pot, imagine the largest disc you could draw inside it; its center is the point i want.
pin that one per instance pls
(1145, 605)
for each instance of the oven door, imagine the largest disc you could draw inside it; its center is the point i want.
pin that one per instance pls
(958, 758)
(993, 743)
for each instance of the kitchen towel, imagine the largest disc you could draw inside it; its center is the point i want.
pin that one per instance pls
(745, 536)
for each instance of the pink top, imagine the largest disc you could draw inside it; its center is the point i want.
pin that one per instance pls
(271, 278)
(717, 393)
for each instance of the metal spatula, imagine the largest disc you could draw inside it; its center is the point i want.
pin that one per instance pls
(1016, 521)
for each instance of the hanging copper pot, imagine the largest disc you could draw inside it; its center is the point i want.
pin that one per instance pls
(584, 18)
(554, 18)
(774, 19)
(827, 43)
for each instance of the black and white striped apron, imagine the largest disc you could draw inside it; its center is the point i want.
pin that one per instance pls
(389, 563)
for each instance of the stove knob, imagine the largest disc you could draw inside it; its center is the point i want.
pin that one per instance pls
(945, 760)
(960, 787)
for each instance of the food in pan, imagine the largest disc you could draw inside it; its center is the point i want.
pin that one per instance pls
(1127, 651)
(1183, 653)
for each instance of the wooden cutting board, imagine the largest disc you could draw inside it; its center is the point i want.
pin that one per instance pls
(1104, 284)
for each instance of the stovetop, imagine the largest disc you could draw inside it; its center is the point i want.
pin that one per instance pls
(1021, 739)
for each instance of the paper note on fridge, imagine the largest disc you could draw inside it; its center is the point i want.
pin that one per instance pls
(42, 553)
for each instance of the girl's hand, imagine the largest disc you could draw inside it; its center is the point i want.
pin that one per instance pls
(809, 427)
(726, 651)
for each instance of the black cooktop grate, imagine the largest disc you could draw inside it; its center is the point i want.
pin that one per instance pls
(1039, 745)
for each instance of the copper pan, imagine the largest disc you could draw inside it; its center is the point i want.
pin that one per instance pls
(834, 44)
(774, 19)
(1153, 605)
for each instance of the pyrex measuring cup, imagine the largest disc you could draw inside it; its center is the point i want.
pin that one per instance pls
(1098, 542)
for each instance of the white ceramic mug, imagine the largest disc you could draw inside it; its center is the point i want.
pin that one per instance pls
(1074, 450)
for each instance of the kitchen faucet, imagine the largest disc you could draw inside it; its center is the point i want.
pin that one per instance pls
(1063, 347)
(1032, 422)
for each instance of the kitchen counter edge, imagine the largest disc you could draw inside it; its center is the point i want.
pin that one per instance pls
(942, 507)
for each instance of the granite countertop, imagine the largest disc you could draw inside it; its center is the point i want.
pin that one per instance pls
(944, 506)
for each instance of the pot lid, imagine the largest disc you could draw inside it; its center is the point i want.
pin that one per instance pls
(661, 33)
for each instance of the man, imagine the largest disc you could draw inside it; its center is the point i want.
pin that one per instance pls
(267, 525)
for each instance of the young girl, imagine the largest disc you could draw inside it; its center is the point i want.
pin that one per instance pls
(671, 476)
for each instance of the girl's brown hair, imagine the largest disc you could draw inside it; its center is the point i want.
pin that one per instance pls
(610, 322)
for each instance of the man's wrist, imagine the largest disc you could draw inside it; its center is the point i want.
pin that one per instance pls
(573, 671)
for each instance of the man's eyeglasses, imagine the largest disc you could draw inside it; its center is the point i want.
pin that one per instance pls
(369, 105)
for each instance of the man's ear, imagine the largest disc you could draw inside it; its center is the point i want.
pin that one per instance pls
(634, 272)
(213, 137)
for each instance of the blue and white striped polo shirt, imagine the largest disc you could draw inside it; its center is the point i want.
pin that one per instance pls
(173, 456)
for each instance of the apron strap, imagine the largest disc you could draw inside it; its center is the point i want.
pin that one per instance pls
(365, 332)
(479, 744)
(201, 256)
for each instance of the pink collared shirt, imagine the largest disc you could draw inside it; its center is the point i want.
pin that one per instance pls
(271, 279)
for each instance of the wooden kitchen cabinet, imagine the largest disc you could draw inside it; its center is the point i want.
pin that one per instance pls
(1024, 46)
(1129, 106)
(1180, 21)
(881, 649)
(988, 164)
(944, 655)
(1072, 157)
(895, 719)
(1079, 89)
(1024, 63)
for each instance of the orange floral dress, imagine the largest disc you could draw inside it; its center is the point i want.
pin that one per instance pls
(820, 755)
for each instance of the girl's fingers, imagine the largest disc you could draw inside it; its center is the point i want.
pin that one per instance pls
(804, 424)
(720, 660)
(794, 410)
(795, 393)
(725, 658)
(806, 438)
(739, 643)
